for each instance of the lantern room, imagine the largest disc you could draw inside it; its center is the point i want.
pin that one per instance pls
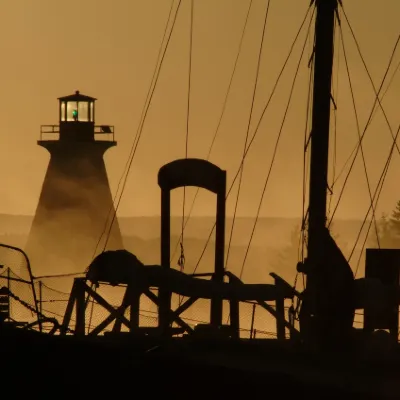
(76, 117)
(77, 108)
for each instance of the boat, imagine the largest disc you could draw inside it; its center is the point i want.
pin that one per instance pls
(317, 352)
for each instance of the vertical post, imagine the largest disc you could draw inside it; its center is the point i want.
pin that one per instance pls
(40, 298)
(323, 56)
(80, 307)
(217, 303)
(253, 314)
(164, 295)
(134, 301)
(9, 291)
(280, 310)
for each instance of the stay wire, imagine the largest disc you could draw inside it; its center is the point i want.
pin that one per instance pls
(359, 134)
(258, 124)
(396, 70)
(247, 132)
(373, 115)
(138, 130)
(302, 239)
(377, 99)
(275, 149)
(365, 130)
(219, 121)
(248, 128)
(181, 260)
(377, 192)
(144, 118)
(335, 96)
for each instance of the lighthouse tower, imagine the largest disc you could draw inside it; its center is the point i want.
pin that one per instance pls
(76, 199)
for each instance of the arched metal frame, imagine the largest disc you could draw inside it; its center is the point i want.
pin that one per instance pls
(203, 174)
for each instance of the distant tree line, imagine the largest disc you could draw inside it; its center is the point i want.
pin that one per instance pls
(388, 227)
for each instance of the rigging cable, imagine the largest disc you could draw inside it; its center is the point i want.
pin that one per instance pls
(397, 69)
(377, 193)
(304, 213)
(258, 124)
(181, 260)
(369, 74)
(366, 128)
(248, 128)
(144, 116)
(334, 96)
(113, 209)
(359, 133)
(247, 133)
(219, 120)
(276, 147)
(137, 132)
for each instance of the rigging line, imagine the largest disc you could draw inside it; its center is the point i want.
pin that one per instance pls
(364, 132)
(378, 189)
(247, 132)
(374, 113)
(181, 260)
(397, 69)
(137, 132)
(275, 149)
(369, 228)
(359, 134)
(377, 100)
(144, 118)
(305, 153)
(219, 121)
(248, 128)
(335, 96)
(259, 123)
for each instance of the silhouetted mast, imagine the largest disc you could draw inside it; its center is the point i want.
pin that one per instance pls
(323, 57)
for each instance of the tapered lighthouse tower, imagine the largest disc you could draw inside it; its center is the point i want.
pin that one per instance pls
(76, 199)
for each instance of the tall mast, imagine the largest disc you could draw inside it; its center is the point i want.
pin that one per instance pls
(323, 57)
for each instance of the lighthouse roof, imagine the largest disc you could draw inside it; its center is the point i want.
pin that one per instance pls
(77, 96)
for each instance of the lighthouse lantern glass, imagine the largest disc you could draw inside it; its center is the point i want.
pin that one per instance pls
(83, 111)
(62, 111)
(72, 111)
(91, 111)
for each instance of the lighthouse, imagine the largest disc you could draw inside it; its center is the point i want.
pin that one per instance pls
(72, 222)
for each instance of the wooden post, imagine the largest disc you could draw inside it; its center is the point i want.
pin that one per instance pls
(80, 307)
(280, 310)
(164, 295)
(253, 314)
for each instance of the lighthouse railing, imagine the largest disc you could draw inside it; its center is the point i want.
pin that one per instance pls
(101, 132)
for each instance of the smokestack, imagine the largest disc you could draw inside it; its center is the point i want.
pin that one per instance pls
(75, 199)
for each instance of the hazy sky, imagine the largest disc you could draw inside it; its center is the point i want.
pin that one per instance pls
(108, 49)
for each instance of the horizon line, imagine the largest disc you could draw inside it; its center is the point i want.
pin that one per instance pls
(200, 216)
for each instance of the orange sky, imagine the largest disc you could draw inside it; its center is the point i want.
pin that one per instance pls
(108, 49)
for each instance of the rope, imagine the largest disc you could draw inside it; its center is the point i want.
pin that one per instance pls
(181, 260)
(248, 129)
(135, 138)
(258, 126)
(366, 128)
(276, 146)
(335, 95)
(377, 193)
(33, 310)
(359, 134)
(218, 124)
(58, 276)
(153, 85)
(302, 238)
(369, 74)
